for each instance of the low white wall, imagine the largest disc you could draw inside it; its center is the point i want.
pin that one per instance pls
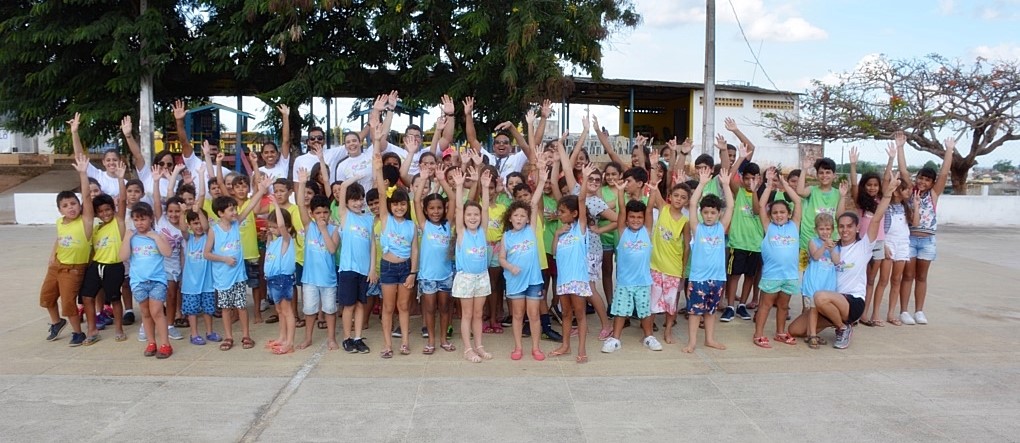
(971, 210)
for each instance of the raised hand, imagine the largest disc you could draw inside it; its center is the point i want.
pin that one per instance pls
(447, 105)
(653, 158)
(588, 170)
(720, 142)
(219, 158)
(81, 164)
(458, 177)
(854, 155)
(125, 126)
(844, 188)
(640, 140)
(178, 168)
(157, 172)
(891, 150)
(392, 98)
(302, 174)
(950, 144)
(265, 182)
(440, 124)
(585, 124)
(380, 103)
(744, 150)
(915, 199)
(469, 105)
(284, 110)
(179, 111)
(472, 173)
(724, 177)
(206, 149)
(486, 178)
(731, 124)
(505, 126)
(900, 138)
(74, 122)
(704, 175)
(529, 117)
(546, 108)
(687, 146)
(120, 169)
(892, 185)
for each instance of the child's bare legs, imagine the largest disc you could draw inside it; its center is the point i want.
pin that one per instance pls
(884, 269)
(692, 331)
(428, 317)
(331, 332)
(445, 313)
(477, 311)
(193, 325)
(173, 300)
(869, 291)
(607, 276)
(568, 318)
(812, 322)
(762, 314)
(907, 284)
(782, 309)
(921, 283)
(467, 310)
(228, 323)
(667, 333)
(895, 291)
(366, 314)
(495, 297)
(710, 333)
(404, 313)
(749, 283)
(731, 289)
(285, 310)
(579, 305)
(147, 321)
(517, 309)
(359, 314)
(158, 321)
(90, 315)
(309, 328)
(534, 307)
(389, 304)
(118, 316)
(600, 309)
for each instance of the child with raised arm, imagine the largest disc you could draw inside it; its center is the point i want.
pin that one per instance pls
(744, 240)
(69, 258)
(866, 194)
(436, 278)
(106, 271)
(671, 242)
(318, 279)
(352, 280)
(223, 248)
(282, 190)
(820, 274)
(169, 224)
(197, 293)
(519, 255)
(279, 269)
(471, 282)
(780, 253)
(708, 258)
(147, 249)
(633, 271)
(821, 199)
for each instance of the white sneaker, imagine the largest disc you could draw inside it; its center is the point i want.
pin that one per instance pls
(652, 343)
(264, 306)
(906, 318)
(141, 334)
(920, 318)
(610, 345)
(172, 332)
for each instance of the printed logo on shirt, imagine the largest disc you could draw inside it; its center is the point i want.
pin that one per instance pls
(568, 240)
(844, 266)
(316, 245)
(747, 210)
(521, 247)
(495, 224)
(359, 231)
(196, 256)
(397, 240)
(783, 240)
(824, 210)
(270, 257)
(635, 245)
(665, 234)
(146, 250)
(231, 246)
(438, 238)
(477, 251)
(713, 241)
(67, 241)
(103, 242)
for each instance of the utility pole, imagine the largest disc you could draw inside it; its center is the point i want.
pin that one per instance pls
(145, 111)
(708, 118)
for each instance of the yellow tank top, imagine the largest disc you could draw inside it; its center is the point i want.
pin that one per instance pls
(249, 233)
(72, 246)
(668, 243)
(207, 205)
(494, 232)
(106, 243)
(376, 231)
(299, 226)
(543, 261)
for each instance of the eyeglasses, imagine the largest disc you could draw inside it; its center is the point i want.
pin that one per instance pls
(502, 142)
(595, 179)
(317, 138)
(166, 164)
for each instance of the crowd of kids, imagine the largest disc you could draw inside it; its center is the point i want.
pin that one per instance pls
(503, 238)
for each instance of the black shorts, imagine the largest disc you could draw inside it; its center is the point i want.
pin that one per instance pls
(743, 262)
(351, 288)
(856, 308)
(254, 272)
(299, 270)
(108, 277)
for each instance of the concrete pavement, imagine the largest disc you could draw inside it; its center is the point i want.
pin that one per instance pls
(957, 379)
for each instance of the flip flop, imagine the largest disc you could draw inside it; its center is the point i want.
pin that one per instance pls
(321, 324)
(867, 323)
(762, 342)
(272, 319)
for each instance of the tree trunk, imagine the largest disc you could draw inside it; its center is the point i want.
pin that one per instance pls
(959, 173)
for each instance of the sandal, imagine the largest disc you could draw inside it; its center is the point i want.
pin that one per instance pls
(386, 354)
(429, 350)
(321, 324)
(604, 334)
(487, 328)
(247, 343)
(120, 337)
(471, 356)
(821, 340)
(867, 323)
(448, 347)
(497, 328)
(894, 322)
(227, 344)
(762, 342)
(785, 338)
(516, 354)
(481, 352)
(299, 323)
(878, 323)
(812, 342)
(280, 350)
(273, 319)
(92, 340)
(537, 354)
(405, 350)
(581, 359)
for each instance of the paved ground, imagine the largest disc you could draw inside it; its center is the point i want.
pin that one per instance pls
(955, 379)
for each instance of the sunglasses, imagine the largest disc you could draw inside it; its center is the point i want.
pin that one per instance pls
(166, 164)
(317, 138)
(502, 142)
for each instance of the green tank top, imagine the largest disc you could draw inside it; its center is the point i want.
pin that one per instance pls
(817, 202)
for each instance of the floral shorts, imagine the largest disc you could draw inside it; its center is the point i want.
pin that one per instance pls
(664, 292)
(471, 285)
(580, 288)
(594, 256)
(628, 300)
(704, 296)
(233, 297)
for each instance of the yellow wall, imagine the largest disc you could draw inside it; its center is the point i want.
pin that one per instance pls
(655, 121)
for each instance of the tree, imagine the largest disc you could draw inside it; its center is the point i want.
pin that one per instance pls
(1004, 166)
(922, 97)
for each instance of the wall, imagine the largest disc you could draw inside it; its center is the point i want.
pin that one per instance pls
(747, 117)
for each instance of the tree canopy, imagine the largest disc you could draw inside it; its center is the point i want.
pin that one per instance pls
(922, 97)
(66, 56)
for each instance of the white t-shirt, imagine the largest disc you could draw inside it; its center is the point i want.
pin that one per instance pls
(194, 162)
(512, 163)
(308, 160)
(107, 184)
(145, 175)
(416, 160)
(852, 277)
(278, 171)
(356, 166)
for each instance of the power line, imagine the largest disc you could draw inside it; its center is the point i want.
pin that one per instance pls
(751, 50)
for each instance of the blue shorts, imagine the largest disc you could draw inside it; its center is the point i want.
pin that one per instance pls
(351, 288)
(632, 300)
(429, 287)
(704, 296)
(394, 273)
(532, 292)
(922, 248)
(148, 290)
(280, 287)
(194, 304)
(299, 270)
(254, 271)
(374, 290)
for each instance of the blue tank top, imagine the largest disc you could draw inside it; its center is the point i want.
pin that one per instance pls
(634, 258)
(522, 251)
(820, 274)
(356, 238)
(434, 259)
(472, 252)
(227, 243)
(280, 263)
(780, 252)
(708, 253)
(320, 269)
(146, 261)
(196, 278)
(572, 256)
(397, 237)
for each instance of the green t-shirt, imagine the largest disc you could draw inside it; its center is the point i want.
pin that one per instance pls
(552, 221)
(745, 227)
(610, 238)
(815, 203)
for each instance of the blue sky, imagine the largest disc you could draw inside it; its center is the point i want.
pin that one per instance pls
(800, 40)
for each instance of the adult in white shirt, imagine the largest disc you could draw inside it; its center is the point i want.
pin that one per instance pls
(276, 159)
(192, 161)
(316, 142)
(502, 156)
(844, 306)
(107, 178)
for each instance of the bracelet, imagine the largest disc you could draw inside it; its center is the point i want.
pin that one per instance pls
(412, 272)
(450, 114)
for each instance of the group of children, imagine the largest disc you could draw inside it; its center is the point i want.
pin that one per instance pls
(466, 229)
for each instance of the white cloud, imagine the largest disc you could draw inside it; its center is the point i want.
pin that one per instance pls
(777, 22)
(1005, 51)
(946, 7)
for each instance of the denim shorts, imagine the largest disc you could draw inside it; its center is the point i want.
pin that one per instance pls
(280, 287)
(318, 298)
(394, 273)
(374, 290)
(429, 287)
(532, 292)
(148, 290)
(252, 268)
(922, 248)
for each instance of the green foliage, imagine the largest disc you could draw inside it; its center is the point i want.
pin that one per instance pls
(1004, 166)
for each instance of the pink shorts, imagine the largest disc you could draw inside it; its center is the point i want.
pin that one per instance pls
(664, 291)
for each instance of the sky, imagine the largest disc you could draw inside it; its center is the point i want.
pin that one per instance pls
(796, 41)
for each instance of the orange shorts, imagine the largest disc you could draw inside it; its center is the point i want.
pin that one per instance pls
(62, 282)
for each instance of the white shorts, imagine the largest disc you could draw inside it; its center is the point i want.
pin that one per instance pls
(898, 249)
(471, 285)
(316, 298)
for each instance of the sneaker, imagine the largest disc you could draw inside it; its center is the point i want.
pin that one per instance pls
(165, 351)
(103, 319)
(727, 315)
(197, 340)
(548, 333)
(424, 332)
(920, 319)
(77, 338)
(361, 347)
(349, 347)
(141, 334)
(610, 345)
(526, 332)
(507, 321)
(128, 319)
(264, 306)
(150, 350)
(843, 337)
(907, 319)
(449, 332)
(55, 329)
(742, 312)
(652, 343)
(396, 332)
(213, 337)
(174, 333)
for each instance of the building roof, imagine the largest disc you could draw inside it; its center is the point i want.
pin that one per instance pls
(610, 91)
(220, 107)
